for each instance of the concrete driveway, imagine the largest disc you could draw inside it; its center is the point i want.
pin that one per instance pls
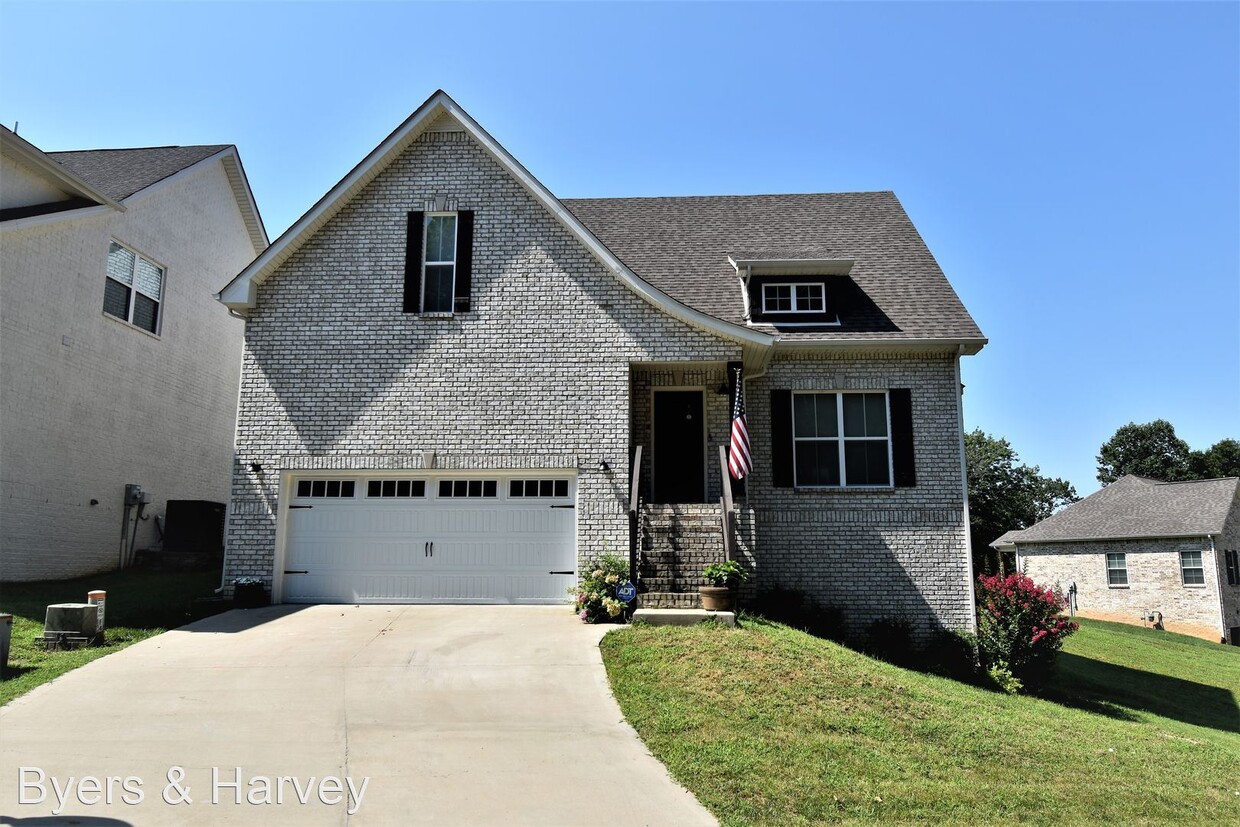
(457, 715)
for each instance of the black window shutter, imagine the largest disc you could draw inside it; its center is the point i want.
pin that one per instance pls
(781, 438)
(413, 262)
(464, 260)
(902, 437)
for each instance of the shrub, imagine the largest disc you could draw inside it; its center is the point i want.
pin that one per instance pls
(800, 611)
(596, 593)
(953, 654)
(1020, 627)
(891, 639)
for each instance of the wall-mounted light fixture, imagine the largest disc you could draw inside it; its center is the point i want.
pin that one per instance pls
(257, 468)
(94, 502)
(603, 466)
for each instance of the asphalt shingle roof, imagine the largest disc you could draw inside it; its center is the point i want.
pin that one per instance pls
(1135, 506)
(119, 173)
(681, 245)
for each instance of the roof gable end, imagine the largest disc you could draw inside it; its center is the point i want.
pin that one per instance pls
(441, 113)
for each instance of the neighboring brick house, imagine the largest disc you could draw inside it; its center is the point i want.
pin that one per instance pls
(442, 357)
(118, 366)
(1139, 547)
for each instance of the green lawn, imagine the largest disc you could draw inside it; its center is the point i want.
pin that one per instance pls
(141, 603)
(770, 726)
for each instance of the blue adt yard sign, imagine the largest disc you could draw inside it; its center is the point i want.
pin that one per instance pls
(626, 591)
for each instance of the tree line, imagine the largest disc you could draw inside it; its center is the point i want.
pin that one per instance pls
(1005, 494)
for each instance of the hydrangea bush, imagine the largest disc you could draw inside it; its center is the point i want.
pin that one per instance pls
(596, 600)
(1020, 627)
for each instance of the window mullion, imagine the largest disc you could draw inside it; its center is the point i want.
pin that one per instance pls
(839, 419)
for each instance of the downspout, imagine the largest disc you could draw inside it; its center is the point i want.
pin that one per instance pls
(1218, 592)
(964, 491)
(744, 280)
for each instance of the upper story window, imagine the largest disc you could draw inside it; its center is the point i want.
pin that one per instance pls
(438, 261)
(1233, 567)
(133, 288)
(841, 440)
(794, 298)
(439, 267)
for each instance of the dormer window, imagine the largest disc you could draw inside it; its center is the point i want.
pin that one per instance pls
(793, 298)
(438, 261)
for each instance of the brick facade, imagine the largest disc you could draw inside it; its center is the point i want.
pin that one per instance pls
(91, 403)
(1155, 583)
(553, 367)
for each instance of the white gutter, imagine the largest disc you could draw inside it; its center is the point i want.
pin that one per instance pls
(1218, 591)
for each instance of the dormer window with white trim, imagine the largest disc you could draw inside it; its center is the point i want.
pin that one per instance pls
(794, 298)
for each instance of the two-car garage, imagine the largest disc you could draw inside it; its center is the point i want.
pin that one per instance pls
(427, 538)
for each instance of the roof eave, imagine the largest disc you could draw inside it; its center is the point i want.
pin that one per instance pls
(22, 150)
(920, 344)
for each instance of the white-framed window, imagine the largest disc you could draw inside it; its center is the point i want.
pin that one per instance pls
(794, 298)
(395, 488)
(439, 262)
(1117, 569)
(453, 489)
(1191, 569)
(133, 289)
(334, 489)
(841, 439)
(525, 489)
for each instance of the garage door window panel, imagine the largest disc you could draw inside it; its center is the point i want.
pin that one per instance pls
(334, 489)
(396, 488)
(468, 489)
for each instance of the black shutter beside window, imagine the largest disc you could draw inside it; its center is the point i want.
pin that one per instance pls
(902, 437)
(781, 438)
(464, 260)
(413, 262)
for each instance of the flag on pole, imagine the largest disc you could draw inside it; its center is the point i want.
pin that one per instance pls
(740, 463)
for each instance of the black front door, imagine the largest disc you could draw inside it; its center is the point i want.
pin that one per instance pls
(679, 447)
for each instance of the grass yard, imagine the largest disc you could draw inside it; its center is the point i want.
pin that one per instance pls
(770, 726)
(141, 603)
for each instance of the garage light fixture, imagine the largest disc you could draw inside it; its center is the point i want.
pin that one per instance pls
(257, 468)
(603, 466)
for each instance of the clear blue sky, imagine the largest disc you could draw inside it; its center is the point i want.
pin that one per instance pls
(1074, 167)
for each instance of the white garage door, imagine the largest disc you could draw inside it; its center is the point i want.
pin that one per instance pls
(431, 539)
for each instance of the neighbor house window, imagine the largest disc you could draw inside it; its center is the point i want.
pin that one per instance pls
(841, 440)
(1193, 572)
(793, 298)
(133, 288)
(439, 263)
(1117, 570)
(1233, 567)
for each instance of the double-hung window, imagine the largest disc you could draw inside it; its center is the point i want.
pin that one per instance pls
(439, 263)
(133, 288)
(1191, 568)
(841, 440)
(1117, 569)
(793, 298)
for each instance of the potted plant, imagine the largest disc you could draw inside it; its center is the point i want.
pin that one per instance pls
(249, 593)
(720, 595)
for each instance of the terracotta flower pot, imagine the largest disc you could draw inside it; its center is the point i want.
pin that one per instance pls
(717, 598)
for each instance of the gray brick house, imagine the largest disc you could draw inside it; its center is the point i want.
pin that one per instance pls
(1140, 548)
(441, 356)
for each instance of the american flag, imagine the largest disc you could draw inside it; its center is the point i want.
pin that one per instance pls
(740, 463)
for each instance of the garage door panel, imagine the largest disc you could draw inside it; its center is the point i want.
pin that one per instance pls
(366, 549)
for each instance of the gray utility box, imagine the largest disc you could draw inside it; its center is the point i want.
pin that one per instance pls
(72, 620)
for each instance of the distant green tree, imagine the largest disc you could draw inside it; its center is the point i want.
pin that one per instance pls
(1005, 495)
(1222, 459)
(1150, 450)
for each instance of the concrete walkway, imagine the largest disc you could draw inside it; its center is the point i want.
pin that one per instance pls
(458, 715)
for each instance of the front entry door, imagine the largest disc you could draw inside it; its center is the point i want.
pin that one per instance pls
(679, 468)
